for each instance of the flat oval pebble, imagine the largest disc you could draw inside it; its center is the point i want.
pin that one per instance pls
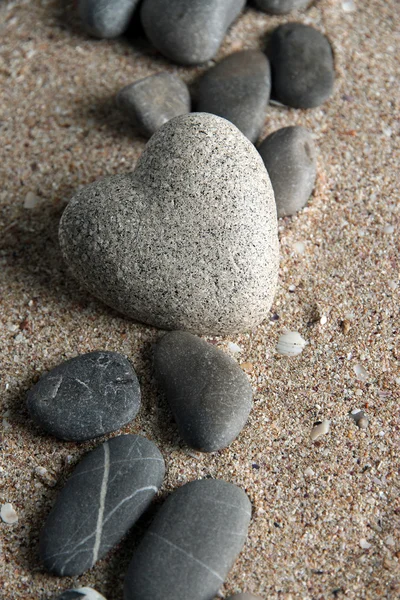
(106, 18)
(280, 7)
(192, 543)
(154, 100)
(80, 594)
(238, 89)
(86, 396)
(209, 394)
(302, 65)
(188, 31)
(186, 242)
(290, 158)
(106, 493)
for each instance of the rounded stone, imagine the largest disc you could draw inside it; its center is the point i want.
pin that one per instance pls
(106, 493)
(186, 242)
(290, 158)
(302, 65)
(280, 7)
(209, 394)
(238, 89)
(189, 31)
(85, 397)
(80, 594)
(192, 543)
(245, 596)
(106, 18)
(153, 101)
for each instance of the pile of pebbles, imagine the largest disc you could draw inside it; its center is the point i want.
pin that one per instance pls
(189, 243)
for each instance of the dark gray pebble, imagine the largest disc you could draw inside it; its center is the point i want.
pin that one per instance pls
(192, 543)
(290, 158)
(280, 7)
(238, 89)
(107, 492)
(151, 102)
(80, 594)
(86, 396)
(106, 18)
(209, 394)
(188, 31)
(302, 65)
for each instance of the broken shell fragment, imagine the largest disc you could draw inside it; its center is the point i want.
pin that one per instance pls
(320, 429)
(291, 344)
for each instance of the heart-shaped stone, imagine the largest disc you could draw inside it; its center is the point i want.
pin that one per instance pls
(189, 239)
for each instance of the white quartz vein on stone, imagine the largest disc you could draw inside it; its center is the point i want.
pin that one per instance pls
(160, 537)
(102, 500)
(144, 489)
(116, 462)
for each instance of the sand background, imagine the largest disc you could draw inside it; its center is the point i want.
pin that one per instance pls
(60, 130)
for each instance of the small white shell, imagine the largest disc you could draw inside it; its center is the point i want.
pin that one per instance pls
(88, 593)
(234, 348)
(364, 544)
(291, 344)
(8, 514)
(320, 429)
(31, 201)
(361, 373)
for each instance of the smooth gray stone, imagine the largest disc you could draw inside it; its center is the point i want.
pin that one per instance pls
(80, 594)
(192, 543)
(106, 18)
(151, 102)
(245, 596)
(186, 242)
(290, 157)
(107, 492)
(188, 32)
(238, 89)
(86, 396)
(209, 394)
(280, 7)
(302, 65)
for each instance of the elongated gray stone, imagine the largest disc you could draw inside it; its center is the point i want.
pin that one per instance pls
(192, 543)
(86, 396)
(186, 242)
(80, 594)
(107, 492)
(302, 65)
(238, 89)
(290, 157)
(153, 101)
(106, 18)
(209, 394)
(280, 7)
(188, 31)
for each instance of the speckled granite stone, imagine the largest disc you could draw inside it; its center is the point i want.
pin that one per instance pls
(152, 101)
(209, 394)
(302, 65)
(290, 157)
(188, 31)
(238, 89)
(106, 18)
(107, 492)
(86, 396)
(189, 240)
(192, 543)
(280, 7)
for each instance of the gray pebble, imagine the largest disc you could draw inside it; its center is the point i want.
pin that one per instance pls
(106, 18)
(107, 492)
(151, 102)
(188, 31)
(86, 396)
(192, 543)
(238, 89)
(245, 596)
(80, 594)
(280, 7)
(209, 394)
(302, 65)
(189, 241)
(290, 157)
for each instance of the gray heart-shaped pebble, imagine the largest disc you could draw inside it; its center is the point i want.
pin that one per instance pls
(209, 394)
(188, 31)
(86, 396)
(290, 157)
(106, 18)
(280, 7)
(189, 240)
(238, 89)
(192, 543)
(302, 65)
(107, 492)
